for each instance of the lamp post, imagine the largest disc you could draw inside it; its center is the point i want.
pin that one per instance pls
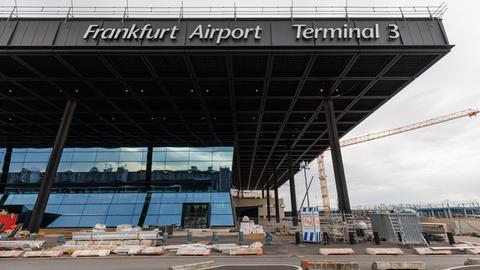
(304, 167)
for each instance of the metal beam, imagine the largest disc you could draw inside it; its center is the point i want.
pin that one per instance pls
(293, 195)
(35, 220)
(340, 181)
(269, 214)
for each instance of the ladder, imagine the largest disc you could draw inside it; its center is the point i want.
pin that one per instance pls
(397, 227)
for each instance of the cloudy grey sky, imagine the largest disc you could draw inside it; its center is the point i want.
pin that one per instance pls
(429, 165)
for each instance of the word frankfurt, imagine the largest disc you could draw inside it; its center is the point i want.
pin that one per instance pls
(217, 34)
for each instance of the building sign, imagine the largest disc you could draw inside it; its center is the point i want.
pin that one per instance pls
(207, 32)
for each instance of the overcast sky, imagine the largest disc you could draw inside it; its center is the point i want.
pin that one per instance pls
(429, 165)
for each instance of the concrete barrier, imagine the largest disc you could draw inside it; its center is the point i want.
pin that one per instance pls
(472, 261)
(328, 265)
(384, 251)
(393, 265)
(336, 251)
(39, 254)
(91, 253)
(10, 253)
(192, 266)
(428, 251)
(473, 250)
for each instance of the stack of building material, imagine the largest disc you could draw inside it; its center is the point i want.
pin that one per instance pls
(253, 249)
(133, 237)
(11, 253)
(193, 250)
(91, 253)
(43, 253)
(225, 248)
(251, 230)
(22, 244)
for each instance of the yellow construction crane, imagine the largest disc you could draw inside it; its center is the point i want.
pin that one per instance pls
(378, 135)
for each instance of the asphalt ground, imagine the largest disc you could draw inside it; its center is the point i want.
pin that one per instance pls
(164, 262)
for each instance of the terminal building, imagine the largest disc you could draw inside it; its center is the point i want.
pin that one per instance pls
(149, 118)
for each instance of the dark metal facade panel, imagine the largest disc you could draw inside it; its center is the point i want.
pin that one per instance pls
(71, 34)
(282, 33)
(34, 33)
(6, 30)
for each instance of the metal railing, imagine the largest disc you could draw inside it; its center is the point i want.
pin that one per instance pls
(232, 12)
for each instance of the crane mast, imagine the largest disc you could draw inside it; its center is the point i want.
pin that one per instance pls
(382, 134)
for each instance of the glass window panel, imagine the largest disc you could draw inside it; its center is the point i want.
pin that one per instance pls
(221, 164)
(135, 219)
(90, 221)
(198, 197)
(125, 198)
(156, 198)
(158, 156)
(107, 156)
(70, 209)
(176, 166)
(75, 199)
(138, 209)
(37, 157)
(16, 167)
(100, 198)
(220, 197)
(223, 149)
(133, 166)
(52, 208)
(221, 220)
(68, 150)
(121, 209)
(169, 219)
(106, 166)
(200, 156)
(221, 208)
(151, 219)
(153, 208)
(55, 198)
(64, 167)
(21, 199)
(175, 209)
(158, 166)
(19, 150)
(131, 156)
(18, 157)
(177, 156)
(96, 209)
(66, 221)
(178, 149)
(116, 220)
(86, 149)
(200, 165)
(84, 156)
(141, 198)
(82, 166)
(66, 157)
(201, 149)
(35, 166)
(228, 156)
(173, 197)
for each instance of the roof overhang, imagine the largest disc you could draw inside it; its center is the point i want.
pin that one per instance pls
(262, 92)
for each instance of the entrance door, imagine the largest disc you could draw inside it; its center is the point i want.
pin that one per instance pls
(195, 215)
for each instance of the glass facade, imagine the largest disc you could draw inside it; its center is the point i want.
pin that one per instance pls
(181, 178)
(166, 208)
(80, 165)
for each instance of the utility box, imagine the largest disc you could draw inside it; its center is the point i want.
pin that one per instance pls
(402, 228)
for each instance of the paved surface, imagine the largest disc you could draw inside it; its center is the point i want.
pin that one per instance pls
(163, 262)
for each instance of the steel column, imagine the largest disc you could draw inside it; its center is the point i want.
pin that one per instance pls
(277, 204)
(148, 172)
(5, 168)
(263, 193)
(293, 196)
(340, 181)
(36, 217)
(269, 214)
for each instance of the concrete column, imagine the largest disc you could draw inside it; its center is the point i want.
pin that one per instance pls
(269, 214)
(277, 201)
(340, 181)
(35, 220)
(293, 198)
